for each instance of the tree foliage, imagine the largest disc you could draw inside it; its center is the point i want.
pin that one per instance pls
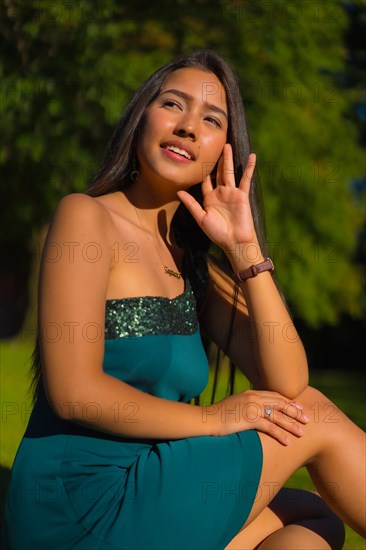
(68, 68)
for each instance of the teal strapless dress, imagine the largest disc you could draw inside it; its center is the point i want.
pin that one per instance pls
(77, 488)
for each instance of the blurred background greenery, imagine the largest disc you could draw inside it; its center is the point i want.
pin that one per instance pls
(68, 68)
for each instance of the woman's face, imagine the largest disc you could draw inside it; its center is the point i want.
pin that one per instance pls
(184, 131)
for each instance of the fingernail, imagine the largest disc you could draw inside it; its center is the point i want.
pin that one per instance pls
(306, 418)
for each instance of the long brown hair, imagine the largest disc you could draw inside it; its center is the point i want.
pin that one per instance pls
(120, 161)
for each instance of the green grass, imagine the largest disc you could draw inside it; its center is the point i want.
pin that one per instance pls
(15, 400)
(345, 388)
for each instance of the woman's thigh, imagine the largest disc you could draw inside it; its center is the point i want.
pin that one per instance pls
(280, 462)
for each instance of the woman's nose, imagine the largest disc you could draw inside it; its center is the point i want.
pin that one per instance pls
(187, 127)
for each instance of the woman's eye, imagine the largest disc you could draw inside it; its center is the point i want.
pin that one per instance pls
(213, 121)
(170, 103)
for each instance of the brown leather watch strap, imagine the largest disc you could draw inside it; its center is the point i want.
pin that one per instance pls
(253, 270)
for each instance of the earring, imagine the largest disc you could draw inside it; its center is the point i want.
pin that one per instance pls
(134, 172)
(134, 175)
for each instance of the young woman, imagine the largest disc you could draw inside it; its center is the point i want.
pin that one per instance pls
(115, 454)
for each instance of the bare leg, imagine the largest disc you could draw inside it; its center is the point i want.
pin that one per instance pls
(295, 520)
(333, 449)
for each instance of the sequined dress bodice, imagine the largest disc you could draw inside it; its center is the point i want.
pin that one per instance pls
(153, 343)
(151, 315)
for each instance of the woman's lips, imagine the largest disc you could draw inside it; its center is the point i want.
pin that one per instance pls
(179, 149)
(175, 156)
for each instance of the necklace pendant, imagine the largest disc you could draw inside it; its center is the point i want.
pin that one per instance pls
(172, 272)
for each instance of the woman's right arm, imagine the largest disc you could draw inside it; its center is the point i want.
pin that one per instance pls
(77, 259)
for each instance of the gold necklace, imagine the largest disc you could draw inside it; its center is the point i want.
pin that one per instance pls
(167, 270)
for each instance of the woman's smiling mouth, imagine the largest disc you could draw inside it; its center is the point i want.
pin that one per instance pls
(178, 151)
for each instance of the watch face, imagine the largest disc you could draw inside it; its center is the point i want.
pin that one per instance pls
(272, 264)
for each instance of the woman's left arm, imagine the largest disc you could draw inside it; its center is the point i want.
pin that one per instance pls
(261, 338)
(264, 343)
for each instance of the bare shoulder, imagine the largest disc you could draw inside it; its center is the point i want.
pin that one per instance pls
(81, 206)
(78, 213)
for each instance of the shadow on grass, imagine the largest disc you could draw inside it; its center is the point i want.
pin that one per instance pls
(4, 483)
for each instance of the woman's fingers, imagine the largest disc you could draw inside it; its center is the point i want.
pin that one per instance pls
(193, 206)
(287, 423)
(190, 202)
(275, 422)
(281, 418)
(266, 412)
(289, 410)
(274, 431)
(229, 173)
(226, 172)
(225, 168)
(248, 173)
(207, 185)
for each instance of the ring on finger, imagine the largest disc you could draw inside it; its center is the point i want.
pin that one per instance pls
(268, 411)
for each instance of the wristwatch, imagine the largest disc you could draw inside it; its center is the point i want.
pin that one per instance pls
(253, 270)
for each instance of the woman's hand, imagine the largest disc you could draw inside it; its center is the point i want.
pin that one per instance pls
(265, 411)
(226, 216)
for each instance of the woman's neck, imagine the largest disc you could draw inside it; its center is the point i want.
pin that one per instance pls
(154, 212)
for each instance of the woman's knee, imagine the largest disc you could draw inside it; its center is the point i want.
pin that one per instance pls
(324, 415)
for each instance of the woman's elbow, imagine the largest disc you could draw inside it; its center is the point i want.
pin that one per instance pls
(289, 387)
(296, 387)
(65, 402)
